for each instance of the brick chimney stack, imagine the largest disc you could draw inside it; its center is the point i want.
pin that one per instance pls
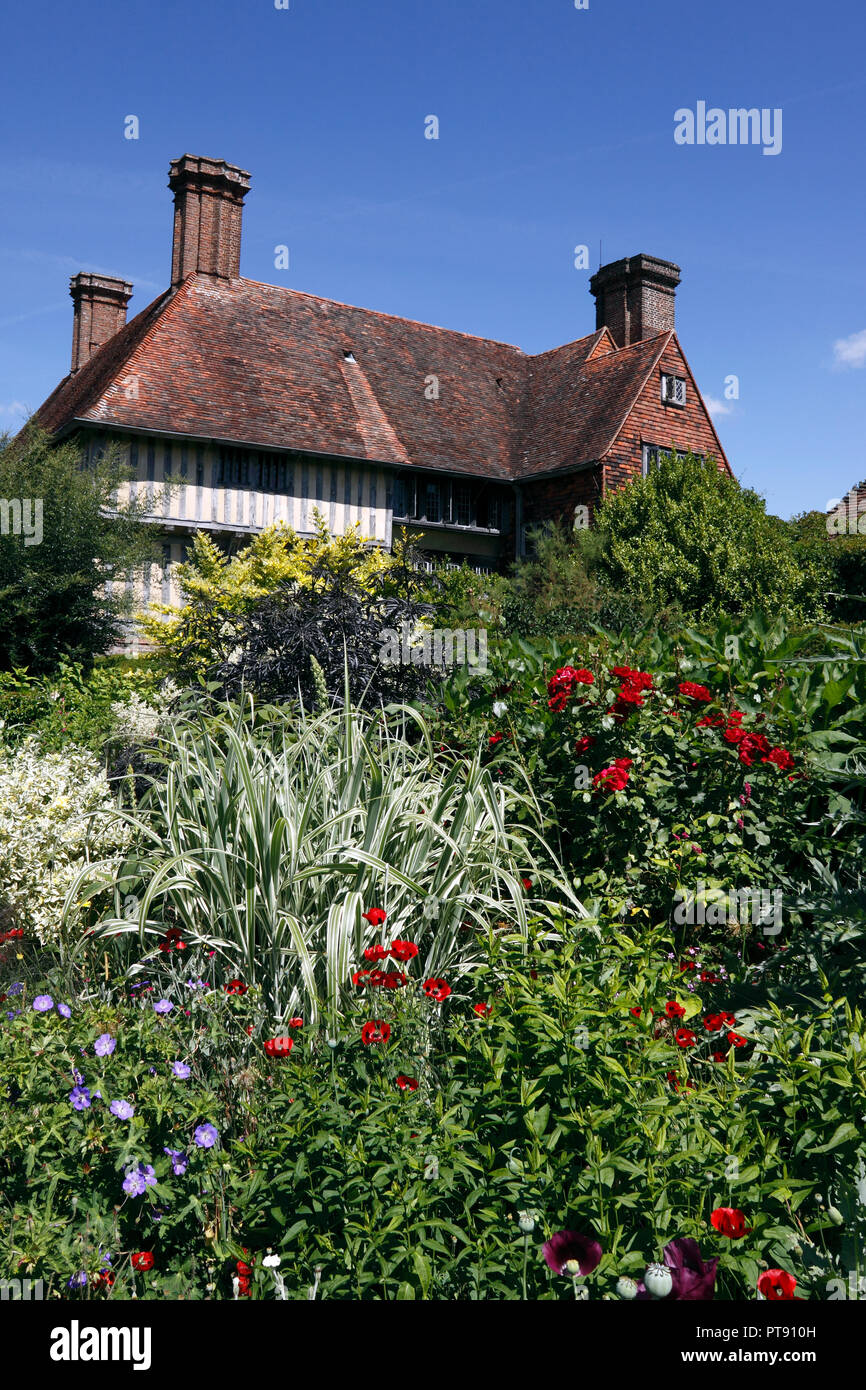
(99, 312)
(635, 297)
(208, 207)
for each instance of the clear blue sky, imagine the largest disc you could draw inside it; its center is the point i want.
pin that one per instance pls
(556, 129)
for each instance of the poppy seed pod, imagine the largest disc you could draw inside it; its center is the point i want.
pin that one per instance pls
(526, 1222)
(658, 1281)
(626, 1288)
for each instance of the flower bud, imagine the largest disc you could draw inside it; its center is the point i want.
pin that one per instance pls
(836, 1216)
(626, 1288)
(658, 1280)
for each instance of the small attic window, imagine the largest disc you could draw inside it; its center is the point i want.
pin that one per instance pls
(349, 357)
(499, 383)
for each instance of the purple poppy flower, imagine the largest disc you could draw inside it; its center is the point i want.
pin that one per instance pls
(122, 1109)
(694, 1280)
(64, 1010)
(80, 1098)
(180, 1069)
(206, 1136)
(570, 1253)
(179, 1161)
(104, 1045)
(163, 1006)
(42, 1003)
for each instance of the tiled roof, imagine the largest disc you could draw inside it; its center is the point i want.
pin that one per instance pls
(271, 367)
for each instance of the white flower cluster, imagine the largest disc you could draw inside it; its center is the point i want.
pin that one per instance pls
(136, 721)
(48, 830)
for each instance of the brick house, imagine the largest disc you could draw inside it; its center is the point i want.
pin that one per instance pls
(264, 402)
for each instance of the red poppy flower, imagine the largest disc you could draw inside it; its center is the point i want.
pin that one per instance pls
(527, 883)
(407, 1083)
(636, 1011)
(482, 1010)
(104, 1279)
(437, 989)
(777, 1285)
(249, 1030)
(674, 1010)
(709, 978)
(360, 977)
(296, 1023)
(377, 977)
(279, 1047)
(494, 739)
(719, 1056)
(243, 1269)
(729, 1020)
(394, 979)
(730, 1222)
(737, 1040)
(143, 1260)
(685, 1037)
(375, 952)
(235, 987)
(375, 1031)
(403, 950)
(375, 916)
(714, 1023)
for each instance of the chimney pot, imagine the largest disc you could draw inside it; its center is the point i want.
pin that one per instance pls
(208, 208)
(99, 312)
(635, 297)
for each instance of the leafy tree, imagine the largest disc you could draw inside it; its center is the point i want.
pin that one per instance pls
(64, 530)
(688, 534)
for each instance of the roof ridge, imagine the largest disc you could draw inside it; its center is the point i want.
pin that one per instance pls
(381, 314)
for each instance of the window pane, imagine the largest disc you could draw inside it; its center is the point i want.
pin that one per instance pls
(432, 510)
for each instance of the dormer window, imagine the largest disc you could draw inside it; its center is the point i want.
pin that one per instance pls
(673, 390)
(349, 357)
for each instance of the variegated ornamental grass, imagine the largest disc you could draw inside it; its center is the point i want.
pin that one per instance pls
(274, 832)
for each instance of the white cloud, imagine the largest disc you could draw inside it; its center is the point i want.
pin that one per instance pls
(717, 407)
(13, 408)
(851, 351)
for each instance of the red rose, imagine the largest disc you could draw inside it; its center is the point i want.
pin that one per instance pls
(685, 1037)
(781, 757)
(375, 916)
(407, 1083)
(730, 1222)
(777, 1284)
(694, 692)
(403, 950)
(437, 989)
(143, 1260)
(235, 987)
(376, 1031)
(583, 744)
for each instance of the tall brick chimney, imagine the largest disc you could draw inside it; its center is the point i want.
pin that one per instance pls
(208, 207)
(634, 297)
(99, 312)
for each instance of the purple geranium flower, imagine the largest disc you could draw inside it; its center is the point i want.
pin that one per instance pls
(13, 1013)
(138, 1179)
(693, 1278)
(163, 1006)
(42, 1003)
(181, 1070)
(567, 1248)
(16, 988)
(80, 1098)
(78, 1281)
(179, 1161)
(206, 1136)
(104, 1045)
(122, 1109)
(64, 1010)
